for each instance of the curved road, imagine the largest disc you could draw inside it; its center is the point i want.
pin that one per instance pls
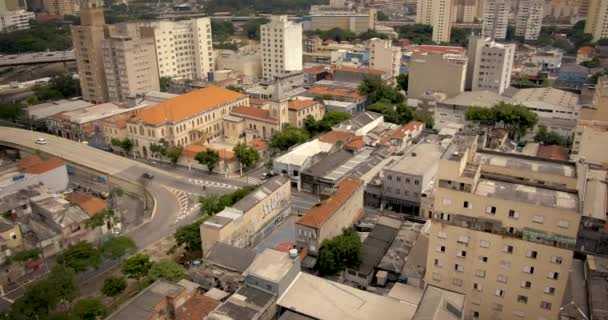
(163, 221)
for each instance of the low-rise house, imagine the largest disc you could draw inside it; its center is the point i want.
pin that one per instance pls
(299, 158)
(584, 54)
(273, 271)
(360, 124)
(326, 220)
(339, 94)
(11, 239)
(300, 108)
(452, 110)
(222, 267)
(573, 76)
(51, 172)
(402, 137)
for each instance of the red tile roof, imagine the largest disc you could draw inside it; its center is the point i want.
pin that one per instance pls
(258, 102)
(356, 143)
(196, 308)
(35, 165)
(585, 50)
(408, 127)
(553, 152)
(251, 112)
(297, 104)
(334, 136)
(439, 49)
(317, 216)
(315, 70)
(322, 90)
(191, 150)
(258, 144)
(87, 202)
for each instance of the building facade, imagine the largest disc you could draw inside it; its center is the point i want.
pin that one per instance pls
(597, 20)
(529, 19)
(490, 65)
(492, 237)
(495, 19)
(129, 62)
(87, 39)
(346, 20)
(437, 13)
(383, 56)
(281, 42)
(184, 49)
(300, 108)
(61, 8)
(15, 20)
(464, 11)
(424, 68)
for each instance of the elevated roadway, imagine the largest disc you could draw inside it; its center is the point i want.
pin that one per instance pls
(36, 58)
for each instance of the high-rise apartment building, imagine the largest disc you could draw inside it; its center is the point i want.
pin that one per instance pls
(495, 19)
(15, 20)
(61, 7)
(437, 69)
(597, 19)
(489, 65)
(87, 39)
(437, 13)
(503, 230)
(184, 49)
(281, 47)
(529, 18)
(130, 61)
(464, 11)
(383, 56)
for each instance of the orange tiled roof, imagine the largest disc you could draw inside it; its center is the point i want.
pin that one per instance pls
(119, 121)
(297, 104)
(322, 90)
(259, 144)
(317, 216)
(585, 50)
(251, 112)
(439, 49)
(356, 143)
(401, 132)
(334, 136)
(196, 308)
(35, 165)
(553, 152)
(87, 202)
(191, 150)
(257, 102)
(315, 70)
(187, 105)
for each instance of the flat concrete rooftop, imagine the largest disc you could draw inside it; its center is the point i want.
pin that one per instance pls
(515, 162)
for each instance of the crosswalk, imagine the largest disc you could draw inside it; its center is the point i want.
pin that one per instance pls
(214, 184)
(251, 180)
(185, 206)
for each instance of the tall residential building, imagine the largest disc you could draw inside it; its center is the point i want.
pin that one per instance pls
(61, 7)
(383, 56)
(495, 19)
(597, 19)
(490, 65)
(437, 60)
(437, 13)
(464, 11)
(87, 39)
(503, 231)
(281, 47)
(184, 49)
(529, 19)
(15, 20)
(356, 22)
(130, 61)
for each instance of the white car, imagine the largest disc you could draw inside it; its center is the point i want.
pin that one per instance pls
(40, 141)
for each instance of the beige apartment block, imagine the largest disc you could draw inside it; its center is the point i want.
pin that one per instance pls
(464, 11)
(191, 118)
(61, 7)
(281, 42)
(243, 224)
(184, 49)
(87, 39)
(495, 19)
(597, 19)
(129, 60)
(383, 56)
(356, 22)
(437, 13)
(425, 68)
(503, 231)
(300, 108)
(490, 65)
(529, 19)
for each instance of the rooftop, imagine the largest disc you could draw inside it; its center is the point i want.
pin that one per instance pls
(323, 299)
(188, 105)
(420, 160)
(230, 257)
(421, 49)
(142, 305)
(245, 304)
(527, 164)
(191, 150)
(36, 165)
(406, 129)
(299, 104)
(358, 121)
(573, 67)
(553, 152)
(523, 193)
(482, 98)
(298, 155)
(375, 246)
(352, 163)
(252, 112)
(87, 202)
(47, 109)
(396, 255)
(328, 163)
(335, 92)
(271, 265)
(196, 308)
(440, 304)
(333, 137)
(549, 96)
(95, 112)
(358, 70)
(318, 215)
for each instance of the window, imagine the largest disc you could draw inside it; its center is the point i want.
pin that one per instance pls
(438, 263)
(497, 306)
(563, 224)
(531, 254)
(500, 293)
(483, 259)
(459, 267)
(461, 253)
(436, 277)
(529, 269)
(484, 243)
(522, 299)
(550, 290)
(477, 286)
(525, 284)
(545, 305)
(442, 235)
(467, 205)
(556, 259)
(513, 214)
(490, 210)
(553, 275)
(502, 278)
(480, 273)
(538, 219)
(507, 249)
(445, 201)
(519, 313)
(463, 239)
(457, 282)
(475, 314)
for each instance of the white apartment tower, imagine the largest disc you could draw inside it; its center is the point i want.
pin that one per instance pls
(383, 56)
(184, 48)
(437, 13)
(281, 47)
(495, 19)
(529, 18)
(129, 61)
(597, 19)
(464, 11)
(490, 65)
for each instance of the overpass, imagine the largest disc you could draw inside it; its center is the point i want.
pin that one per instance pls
(36, 58)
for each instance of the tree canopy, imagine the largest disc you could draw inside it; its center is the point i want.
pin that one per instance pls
(208, 158)
(118, 247)
(252, 28)
(89, 309)
(262, 6)
(11, 111)
(165, 83)
(168, 270)
(547, 137)
(377, 89)
(221, 30)
(39, 37)
(417, 33)
(213, 203)
(113, 286)
(288, 137)
(330, 119)
(340, 252)
(189, 236)
(246, 154)
(514, 117)
(80, 256)
(61, 85)
(137, 266)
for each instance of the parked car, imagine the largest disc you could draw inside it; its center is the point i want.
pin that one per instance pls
(41, 141)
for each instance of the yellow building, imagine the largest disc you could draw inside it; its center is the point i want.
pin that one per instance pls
(503, 231)
(597, 19)
(345, 20)
(194, 117)
(248, 221)
(301, 107)
(61, 7)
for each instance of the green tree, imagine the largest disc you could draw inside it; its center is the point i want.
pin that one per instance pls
(89, 309)
(212, 203)
(208, 158)
(516, 118)
(288, 137)
(594, 63)
(80, 256)
(459, 37)
(550, 137)
(117, 247)
(426, 117)
(137, 267)
(113, 286)
(100, 218)
(221, 30)
(246, 154)
(66, 84)
(165, 83)
(189, 236)
(403, 81)
(39, 37)
(382, 16)
(340, 252)
(417, 33)
(369, 34)
(376, 89)
(252, 28)
(173, 154)
(25, 255)
(168, 270)
(330, 119)
(386, 109)
(11, 111)
(37, 302)
(63, 280)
